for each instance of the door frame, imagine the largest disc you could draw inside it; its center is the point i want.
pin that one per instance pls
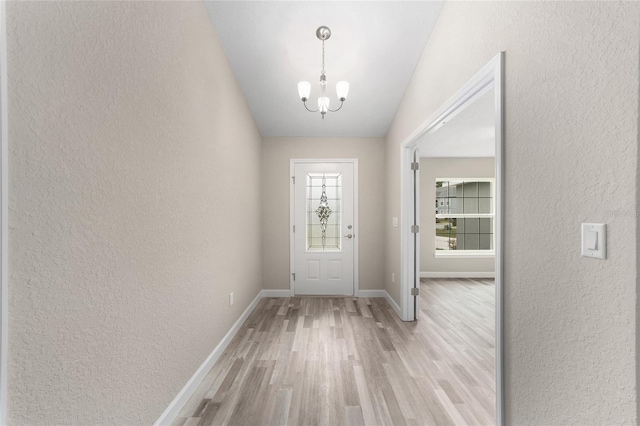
(292, 165)
(491, 73)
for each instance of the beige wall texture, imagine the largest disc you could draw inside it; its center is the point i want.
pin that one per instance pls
(571, 156)
(134, 186)
(430, 170)
(276, 176)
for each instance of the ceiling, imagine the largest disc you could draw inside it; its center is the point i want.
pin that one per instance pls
(471, 133)
(375, 46)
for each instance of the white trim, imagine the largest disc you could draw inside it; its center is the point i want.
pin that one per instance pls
(498, 78)
(392, 303)
(465, 215)
(276, 293)
(172, 411)
(292, 222)
(478, 85)
(466, 179)
(407, 266)
(371, 293)
(4, 214)
(417, 249)
(356, 241)
(356, 228)
(457, 274)
(463, 254)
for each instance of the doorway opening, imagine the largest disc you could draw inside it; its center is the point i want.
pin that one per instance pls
(467, 221)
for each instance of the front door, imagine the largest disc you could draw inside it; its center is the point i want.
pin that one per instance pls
(324, 234)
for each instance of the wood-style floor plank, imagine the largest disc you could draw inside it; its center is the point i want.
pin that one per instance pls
(348, 361)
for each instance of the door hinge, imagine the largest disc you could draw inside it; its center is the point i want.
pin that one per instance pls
(415, 166)
(293, 178)
(294, 228)
(415, 229)
(294, 276)
(415, 291)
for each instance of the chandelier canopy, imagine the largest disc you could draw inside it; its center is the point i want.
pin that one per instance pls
(304, 87)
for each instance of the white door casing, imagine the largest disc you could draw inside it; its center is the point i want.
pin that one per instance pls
(323, 228)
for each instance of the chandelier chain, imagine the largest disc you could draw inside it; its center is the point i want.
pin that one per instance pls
(323, 57)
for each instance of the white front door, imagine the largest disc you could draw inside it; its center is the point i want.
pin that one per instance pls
(324, 229)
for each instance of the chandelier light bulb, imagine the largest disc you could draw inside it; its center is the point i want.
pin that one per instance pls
(323, 104)
(342, 89)
(304, 90)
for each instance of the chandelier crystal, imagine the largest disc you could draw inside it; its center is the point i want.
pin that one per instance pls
(304, 87)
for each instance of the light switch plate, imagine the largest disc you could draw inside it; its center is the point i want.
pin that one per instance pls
(394, 222)
(594, 235)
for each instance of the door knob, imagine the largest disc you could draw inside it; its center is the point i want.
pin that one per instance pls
(349, 236)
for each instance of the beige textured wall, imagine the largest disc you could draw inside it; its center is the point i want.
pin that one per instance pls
(134, 185)
(276, 153)
(430, 170)
(571, 157)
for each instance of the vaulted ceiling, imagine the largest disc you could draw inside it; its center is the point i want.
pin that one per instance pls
(375, 46)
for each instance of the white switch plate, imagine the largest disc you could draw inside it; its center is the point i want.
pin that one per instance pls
(394, 222)
(594, 235)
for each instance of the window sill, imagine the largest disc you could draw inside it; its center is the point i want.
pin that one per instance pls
(464, 254)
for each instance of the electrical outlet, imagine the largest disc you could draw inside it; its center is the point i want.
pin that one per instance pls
(393, 277)
(230, 298)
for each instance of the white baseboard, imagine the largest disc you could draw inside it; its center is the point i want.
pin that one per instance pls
(371, 293)
(276, 293)
(188, 390)
(457, 274)
(393, 304)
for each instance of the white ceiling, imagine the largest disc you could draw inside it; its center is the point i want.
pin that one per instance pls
(471, 133)
(375, 46)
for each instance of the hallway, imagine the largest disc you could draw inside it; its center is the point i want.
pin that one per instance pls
(332, 361)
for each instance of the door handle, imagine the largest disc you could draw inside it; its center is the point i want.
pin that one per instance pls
(349, 236)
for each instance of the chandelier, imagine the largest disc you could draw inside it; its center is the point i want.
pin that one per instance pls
(304, 87)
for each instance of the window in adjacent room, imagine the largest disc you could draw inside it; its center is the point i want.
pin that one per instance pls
(465, 219)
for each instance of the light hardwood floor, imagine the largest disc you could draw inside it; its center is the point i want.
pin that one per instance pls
(335, 361)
